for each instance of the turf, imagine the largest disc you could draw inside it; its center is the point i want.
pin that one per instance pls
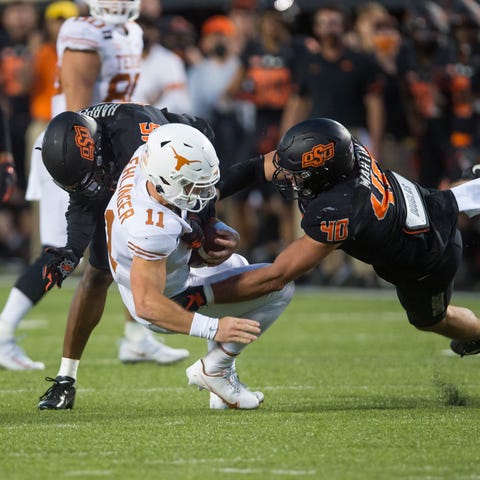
(352, 392)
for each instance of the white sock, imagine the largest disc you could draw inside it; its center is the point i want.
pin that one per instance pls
(134, 331)
(467, 196)
(68, 368)
(17, 306)
(218, 359)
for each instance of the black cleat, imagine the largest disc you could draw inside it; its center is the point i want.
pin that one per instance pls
(466, 347)
(60, 396)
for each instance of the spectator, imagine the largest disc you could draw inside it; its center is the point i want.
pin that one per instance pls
(377, 34)
(17, 45)
(44, 68)
(428, 90)
(161, 87)
(265, 80)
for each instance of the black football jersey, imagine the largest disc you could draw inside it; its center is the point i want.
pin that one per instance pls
(124, 127)
(368, 214)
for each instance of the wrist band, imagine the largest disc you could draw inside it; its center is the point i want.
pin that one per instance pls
(203, 326)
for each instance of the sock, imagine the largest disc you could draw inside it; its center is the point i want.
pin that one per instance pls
(17, 306)
(218, 359)
(135, 332)
(68, 368)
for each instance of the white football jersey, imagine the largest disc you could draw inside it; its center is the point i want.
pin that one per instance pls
(120, 51)
(138, 225)
(163, 81)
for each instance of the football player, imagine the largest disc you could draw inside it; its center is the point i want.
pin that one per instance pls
(84, 153)
(407, 233)
(99, 61)
(172, 174)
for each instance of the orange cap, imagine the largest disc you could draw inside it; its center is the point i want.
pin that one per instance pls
(218, 24)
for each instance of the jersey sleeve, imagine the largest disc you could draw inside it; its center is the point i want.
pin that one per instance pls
(328, 218)
(80, 33)
(153, 243)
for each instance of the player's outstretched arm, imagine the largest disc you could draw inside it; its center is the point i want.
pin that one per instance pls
(147, 280)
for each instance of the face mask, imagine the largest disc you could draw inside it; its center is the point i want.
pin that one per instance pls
(220, 50)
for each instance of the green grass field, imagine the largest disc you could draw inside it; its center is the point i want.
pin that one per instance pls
(352, 392)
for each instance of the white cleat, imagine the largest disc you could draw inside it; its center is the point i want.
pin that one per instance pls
(216, 403)
(225, 385)
(13, 357)
(149, 349)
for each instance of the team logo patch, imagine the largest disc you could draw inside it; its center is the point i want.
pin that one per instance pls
(84, 142)
(182, 161)
(318, 155)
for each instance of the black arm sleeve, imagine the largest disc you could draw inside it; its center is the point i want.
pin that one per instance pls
(81, 222)
(241, 175)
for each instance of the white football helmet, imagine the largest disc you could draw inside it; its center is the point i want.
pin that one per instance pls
(116, 12)
(182, 164)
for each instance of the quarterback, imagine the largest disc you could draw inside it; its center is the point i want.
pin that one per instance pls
(175, 172)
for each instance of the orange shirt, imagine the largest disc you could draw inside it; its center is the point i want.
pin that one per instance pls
(44, 74)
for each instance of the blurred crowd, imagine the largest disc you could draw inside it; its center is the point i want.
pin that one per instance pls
(406, 81)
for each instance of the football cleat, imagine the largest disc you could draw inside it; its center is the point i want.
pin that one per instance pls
(60, 396)
(13, 357)
(465, 347)
(225, 384)
(149, 349)
(216, 403)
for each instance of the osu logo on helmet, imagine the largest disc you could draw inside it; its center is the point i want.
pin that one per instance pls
(318, 155)
(84, 142)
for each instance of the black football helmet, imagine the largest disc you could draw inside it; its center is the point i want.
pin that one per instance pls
(311, 157)
(71, 152)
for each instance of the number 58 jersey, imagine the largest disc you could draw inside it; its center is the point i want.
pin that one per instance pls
(120, 51)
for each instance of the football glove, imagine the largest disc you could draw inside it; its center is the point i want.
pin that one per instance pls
(192, 298)
(8, 178)
(196, 237)
(62, 263)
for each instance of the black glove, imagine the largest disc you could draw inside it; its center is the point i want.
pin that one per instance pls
(191, 299)
(62, 263)
(8, 178)
(195, 238)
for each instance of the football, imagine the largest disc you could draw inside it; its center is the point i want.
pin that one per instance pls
(200, 255)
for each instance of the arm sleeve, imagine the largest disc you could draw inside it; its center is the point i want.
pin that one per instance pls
(241, 175)
(81, 222)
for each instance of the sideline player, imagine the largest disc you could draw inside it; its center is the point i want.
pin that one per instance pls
(408, 233)
(174, 173)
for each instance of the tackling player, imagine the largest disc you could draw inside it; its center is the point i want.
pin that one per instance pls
(84, 153)
(99, 61)
(407, 233)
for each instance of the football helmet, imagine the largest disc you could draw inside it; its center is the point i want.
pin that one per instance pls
(311, 157)
(71, 152)
(116, 12)
(182, 164)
